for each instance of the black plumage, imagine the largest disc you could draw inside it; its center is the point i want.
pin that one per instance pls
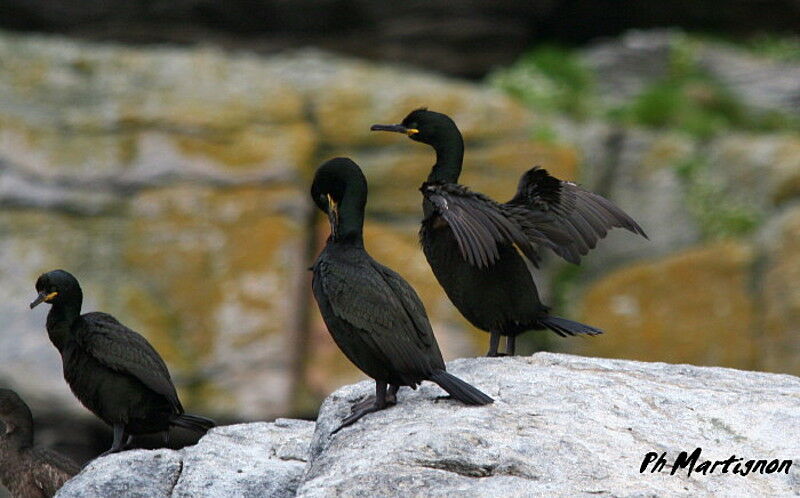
(110, 368)
(479, 249)
(374, 316)
(27, 471)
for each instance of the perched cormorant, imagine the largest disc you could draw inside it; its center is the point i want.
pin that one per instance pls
(111, 369)
(478, 248)
(374, 316)
(27, 471)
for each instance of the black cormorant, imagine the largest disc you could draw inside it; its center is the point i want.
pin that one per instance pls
(110, 368)
(478, 248)
(374, 316)
(27, 471)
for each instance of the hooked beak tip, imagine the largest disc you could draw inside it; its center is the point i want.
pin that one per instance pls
(397, 128)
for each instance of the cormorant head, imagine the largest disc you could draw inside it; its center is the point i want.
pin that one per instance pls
(340, 190)
(58, 287)
(15, 415)
(424, 126)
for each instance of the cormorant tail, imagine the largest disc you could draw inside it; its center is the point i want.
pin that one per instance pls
(459, 389)
(193, 422)
(564, 327)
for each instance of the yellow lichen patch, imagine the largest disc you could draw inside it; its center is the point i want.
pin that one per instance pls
(215, 269)
(787, 174)
(518, 156)
(253, 146)
(694, 307)
(666, 151)
(50, 148)
(344, 114)
(781, 298)
(394, 178)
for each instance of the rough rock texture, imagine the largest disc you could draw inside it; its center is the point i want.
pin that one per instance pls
(678, 309)
(259, 459)
(173, 183)
(560, 426)
(626, 65)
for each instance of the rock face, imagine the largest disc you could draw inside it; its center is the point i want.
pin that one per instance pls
(173, 183)
(258, 459)
(561, 425)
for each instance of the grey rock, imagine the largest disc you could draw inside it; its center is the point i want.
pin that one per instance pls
(763, 83)
(248, 460)
(636, 169)
(134, 474)
(561, 425)
(625, 66)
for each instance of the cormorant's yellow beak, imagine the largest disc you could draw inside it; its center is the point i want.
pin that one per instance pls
(333, 213)
(43, 297)
(397, 128)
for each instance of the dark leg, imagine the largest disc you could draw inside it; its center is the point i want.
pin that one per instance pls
(510, 344)
(494, 342)
(165, 437)
(117, 445)
(128, 441)
(391, 396)
(359, 411)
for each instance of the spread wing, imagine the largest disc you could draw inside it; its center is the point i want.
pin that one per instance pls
(52, 470)
(479, 224)
(384, 310)
(584, 216)
(123, 350)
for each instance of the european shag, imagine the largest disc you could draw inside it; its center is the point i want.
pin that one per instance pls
(374, 316)
(26, 470)
(478, 248)
(111, 369)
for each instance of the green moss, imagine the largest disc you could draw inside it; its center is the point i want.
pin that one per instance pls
(690, 99)
(548, 79)
(779, 47)
(544, 133)
(718, 215)
(687, 98)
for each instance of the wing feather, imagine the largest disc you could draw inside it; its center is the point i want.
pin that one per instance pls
(123, 350)
(384, 310)
(584, 216)
(480, 224)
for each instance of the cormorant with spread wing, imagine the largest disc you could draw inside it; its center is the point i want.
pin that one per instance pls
(374, 316)
(111, 369)
(478, 248)
(28, 471)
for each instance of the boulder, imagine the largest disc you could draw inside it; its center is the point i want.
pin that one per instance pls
(694, 306)
(560, 425)
(258, 459)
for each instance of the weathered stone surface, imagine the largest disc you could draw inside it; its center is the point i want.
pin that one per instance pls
(250, 460)
(137, 474)
(693, 307)
(637, 170)
(560, 425)
(625, 66)
(173, 182)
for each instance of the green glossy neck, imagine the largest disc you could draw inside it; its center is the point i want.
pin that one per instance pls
(449, 158)
(350, 228)
(59, 322)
